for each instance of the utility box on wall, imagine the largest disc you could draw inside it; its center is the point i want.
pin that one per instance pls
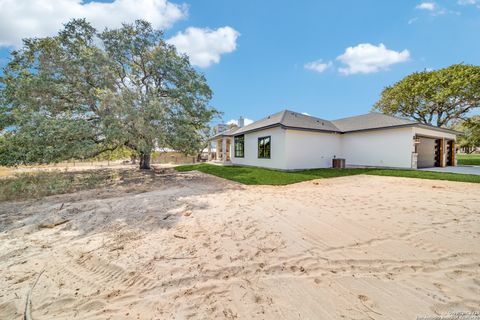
(338, 163)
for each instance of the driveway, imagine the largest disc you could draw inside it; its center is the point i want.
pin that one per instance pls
(458, 169)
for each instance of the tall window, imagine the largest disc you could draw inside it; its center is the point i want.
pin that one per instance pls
(239, 146)
(264, 144)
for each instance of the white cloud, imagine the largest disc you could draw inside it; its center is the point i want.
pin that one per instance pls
(205, 46)
(412, 20)
(368, 58)
(318, 66)
(430, 6)
(435, 10)
(246, 121)
(467, 2)
(39, 18)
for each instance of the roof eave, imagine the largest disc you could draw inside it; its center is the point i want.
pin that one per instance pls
(256, 129)
(421, 125)
(381, 128)
(428, 126)
(220, 135)
(285, 127)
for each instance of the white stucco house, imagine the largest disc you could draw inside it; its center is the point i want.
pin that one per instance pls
(289, 140)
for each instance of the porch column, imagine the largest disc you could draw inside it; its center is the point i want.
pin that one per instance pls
(209, 149)
(443, 149)
(454, 153)
(218, 149)
(224, 149)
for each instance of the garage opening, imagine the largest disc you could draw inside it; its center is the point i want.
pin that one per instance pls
(438, 152)
(433, 152)
(427, 153)
(450, 153)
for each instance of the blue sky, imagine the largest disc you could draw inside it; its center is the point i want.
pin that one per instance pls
(264, 56)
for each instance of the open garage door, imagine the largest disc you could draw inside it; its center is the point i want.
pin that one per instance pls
(427, 153)
(432, 152)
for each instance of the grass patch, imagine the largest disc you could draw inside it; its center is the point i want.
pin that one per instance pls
(468, 159)
(39, 184)
(255, 175)
(262, 176)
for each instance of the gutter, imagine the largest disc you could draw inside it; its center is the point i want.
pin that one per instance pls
(421, 125)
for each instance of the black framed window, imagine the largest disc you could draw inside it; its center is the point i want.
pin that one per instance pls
(239, 143)
(264, 146)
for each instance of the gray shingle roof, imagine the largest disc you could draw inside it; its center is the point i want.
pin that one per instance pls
(295, 120)
(269, 121)
(300, 120)
(290, 119)
(371, 120)
(226, 133)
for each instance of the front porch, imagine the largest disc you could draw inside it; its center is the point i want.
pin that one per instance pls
(222, 154)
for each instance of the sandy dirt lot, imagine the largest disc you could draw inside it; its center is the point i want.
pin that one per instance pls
(192, 246)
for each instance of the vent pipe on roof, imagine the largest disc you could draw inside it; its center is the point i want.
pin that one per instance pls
(241, 122)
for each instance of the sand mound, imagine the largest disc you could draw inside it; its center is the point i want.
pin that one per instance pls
(197, 247)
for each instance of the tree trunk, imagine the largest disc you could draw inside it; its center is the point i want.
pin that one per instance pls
(145, 161)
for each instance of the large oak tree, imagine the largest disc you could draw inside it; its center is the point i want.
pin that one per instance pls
(84, 92)
(436, 97)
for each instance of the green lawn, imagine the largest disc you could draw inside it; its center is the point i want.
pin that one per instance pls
(261, 176)
(469, 159)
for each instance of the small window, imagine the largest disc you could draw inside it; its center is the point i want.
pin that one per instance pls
(239, 146)
(264, 144)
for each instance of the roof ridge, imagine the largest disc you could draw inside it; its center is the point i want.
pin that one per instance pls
(305, 115)
(284, 113)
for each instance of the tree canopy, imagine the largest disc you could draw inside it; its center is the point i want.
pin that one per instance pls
(436, 97)
(470, 140)
(84, 92)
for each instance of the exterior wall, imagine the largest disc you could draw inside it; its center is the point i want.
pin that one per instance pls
(278, 152)
(426, 153)
(307, 149)
(379, 148)
(298, 149)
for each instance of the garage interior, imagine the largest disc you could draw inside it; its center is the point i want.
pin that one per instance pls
(434, 152)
